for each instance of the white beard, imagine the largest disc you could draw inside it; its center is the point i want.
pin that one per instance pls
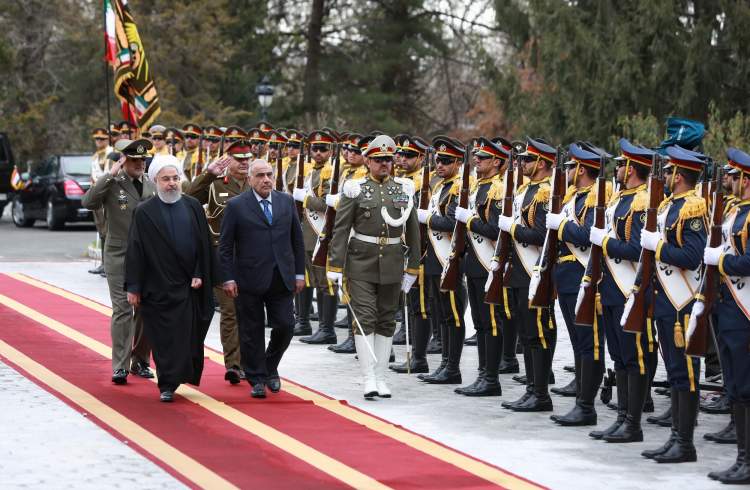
(169, 197)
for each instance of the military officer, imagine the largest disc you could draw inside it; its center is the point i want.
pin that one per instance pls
(679, 244)
(158, 140)
(733, 312)
(376, 211)
(313, 198)
(573, 226)
(125, 130)
(276, 144)
(258, 140)
(224, 178)
(212, 136)
(481, 217)
(99, 166)
(119, 192)
(440, 222)
(294, 147)
(528, 229)
(191, 163)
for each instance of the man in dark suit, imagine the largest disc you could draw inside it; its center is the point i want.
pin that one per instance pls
(263, 265)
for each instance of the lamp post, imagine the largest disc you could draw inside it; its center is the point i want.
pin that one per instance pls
(264, 91)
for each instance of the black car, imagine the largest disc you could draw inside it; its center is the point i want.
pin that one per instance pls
(54, 193)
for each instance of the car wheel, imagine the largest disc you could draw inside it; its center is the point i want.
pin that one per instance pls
(54, 222)
(19, 216)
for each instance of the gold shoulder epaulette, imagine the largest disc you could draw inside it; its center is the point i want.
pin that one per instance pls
(693, 207)
(570, 193)
(497, 190)
(543, 194)
(456, 187)
(326, 172)
(592, 196)
(640, 201)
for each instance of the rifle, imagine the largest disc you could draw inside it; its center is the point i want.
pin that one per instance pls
(697, 340)
(504, 243)
(221, 146)
(587, 308)
(540, 294)
(301, 178)
(279, 172)
(450, 275)
(424, 199)
(634, 316)
(320, 255)
(199, 164)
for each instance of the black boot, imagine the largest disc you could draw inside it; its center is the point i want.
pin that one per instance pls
(527, 368)
(590, 373)
(454, 338)
(621, 383)
(572, 388)
(303, 318)
(345, 347)
(325, 333)
(630, 430)
(674, 417)
(539, 401)
(664, 419)
(435, 345)
(508, 366)
(482, 357)
(528, 381)
(683, 449)
(727, 435)
(443, 351)
(740, 420)
(718, 405)
(509, 362)
(472, 340)
(399, 338)
(490, 383)
(419, 348)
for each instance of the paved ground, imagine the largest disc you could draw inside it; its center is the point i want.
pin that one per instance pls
(528, 444)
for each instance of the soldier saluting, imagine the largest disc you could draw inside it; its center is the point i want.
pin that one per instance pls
(377, 212)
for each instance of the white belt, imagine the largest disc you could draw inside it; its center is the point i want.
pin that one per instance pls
(379, 240)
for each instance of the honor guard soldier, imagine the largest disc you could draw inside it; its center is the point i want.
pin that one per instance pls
(313, 198)
(294, 147)
(190, 162)
(625, 217)
(732, 325)
(224, 178)
(258, 140)
(440, 221)
(125, 130)
(157, 136)
(212, 135)
(679, 244)
(528, 228)
(485, 207)
(119, 192)
(276, 145)
(100, 166)
(174, 140)
(377, 213)
(573, 226)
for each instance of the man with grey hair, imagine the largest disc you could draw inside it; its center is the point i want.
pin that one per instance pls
(169, 271)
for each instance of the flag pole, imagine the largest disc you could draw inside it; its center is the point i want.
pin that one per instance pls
(106, 71)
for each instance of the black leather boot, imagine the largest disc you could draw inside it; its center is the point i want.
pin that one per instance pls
(622, 406)
(325, 333)
(539, 401)
(740, 420)
(527, 368)
(419, 364)
(508, 366)
(683, 449)
(472, 340)
(444, 353)
(630, 430)
(303, 319)
(345, 347)
(572, 388)
(718, 405)
(399, 338)
(674, 417)
(727, 435)
(528, 378)
(454, 338)
(664, 419)
(435, 345)
(590, 373)
(482, 356)
(490, 383)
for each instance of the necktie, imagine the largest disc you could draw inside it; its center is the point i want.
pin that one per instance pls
(138, 187)
(267, 210)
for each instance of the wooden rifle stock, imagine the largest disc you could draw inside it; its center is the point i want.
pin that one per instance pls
(221, 146)
(504, 241)
(697, 343)
(636, 315)
(543, 296)
(451, 272)
(279, 172)
(301, 162)
(424, 200)
(320, 256)
(199, 164)
(587, 309)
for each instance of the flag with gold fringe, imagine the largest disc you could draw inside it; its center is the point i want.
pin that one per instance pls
(133, 79)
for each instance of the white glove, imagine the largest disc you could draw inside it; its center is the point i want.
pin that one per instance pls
(407, 282)
(554, 220)
(463, 214)
(494, 265)
(332, 200)
(505, 222)
(698, 308)
(423, 215)
(334, 277)
(712, 255)
(650, 239)
(597, 235)
(299, 194)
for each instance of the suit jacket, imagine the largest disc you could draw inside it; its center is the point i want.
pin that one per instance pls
(250, 247)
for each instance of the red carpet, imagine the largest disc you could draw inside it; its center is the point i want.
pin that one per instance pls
(233, 453)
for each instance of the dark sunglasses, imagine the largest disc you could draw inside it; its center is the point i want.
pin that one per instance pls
(294, 145)
(355, 151)
(444, 160)
(383, 160)
(274, 146)
(157, 138)
(409, 154)
(101, 138)
(483, 157)
(320, 148)
(212, 139)
(191, 137)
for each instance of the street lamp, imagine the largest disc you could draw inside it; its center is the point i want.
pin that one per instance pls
(264, 91)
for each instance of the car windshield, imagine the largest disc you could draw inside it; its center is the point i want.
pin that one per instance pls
(79, 164)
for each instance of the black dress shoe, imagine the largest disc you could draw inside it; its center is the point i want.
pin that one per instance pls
(652, 453)
(471, 340)
(345, 347)
(324, 335)
(437, 371)
(448, 376)
(274, 384)
(719, 405)
(661, 419)
(521, 379)
(97, 270)
(727, 435)
(233, 376)
(166, 396)
(534, 403)
(578, 416)
(567, 390)
(485, 387)
(141, 369)
(511, 404)
(599, 434)
(120, 377)
(417, 366)
(461, 390)
(259, 390)
(302, 329)
(507, 367)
